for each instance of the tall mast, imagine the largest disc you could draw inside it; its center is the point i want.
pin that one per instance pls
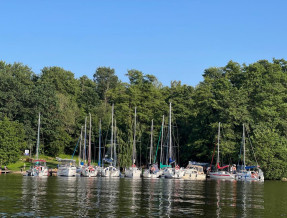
(134, 141)
(115, 144)
(90, 139)
(218, 138)
(99, 160)
(243, 138)
(112, 135)
(85, 141)
(161, 143)
(151, 142)
(170, 141)
(38, 138)
(80, 154)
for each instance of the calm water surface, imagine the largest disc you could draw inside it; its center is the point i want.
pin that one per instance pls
(79, 196)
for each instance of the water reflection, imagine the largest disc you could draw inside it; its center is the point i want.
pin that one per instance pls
(122, 197)
(34, 192)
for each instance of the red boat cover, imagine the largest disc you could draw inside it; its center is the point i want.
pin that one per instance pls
(219, 167)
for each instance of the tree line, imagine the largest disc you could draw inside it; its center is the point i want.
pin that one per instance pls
(254, 95)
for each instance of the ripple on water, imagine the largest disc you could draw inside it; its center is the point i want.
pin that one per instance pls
(79, 196)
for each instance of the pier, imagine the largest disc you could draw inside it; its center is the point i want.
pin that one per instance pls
(4, 171)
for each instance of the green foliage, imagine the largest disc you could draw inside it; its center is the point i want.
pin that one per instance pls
(254, 94)
(12, 140)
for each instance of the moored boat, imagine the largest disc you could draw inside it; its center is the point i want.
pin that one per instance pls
(39, 169)
(194, 172)
(134, 171)
(67, 168)
(248, 173)
(39, 166)
(220, 172)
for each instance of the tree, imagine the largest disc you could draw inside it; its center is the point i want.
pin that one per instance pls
(12, 140)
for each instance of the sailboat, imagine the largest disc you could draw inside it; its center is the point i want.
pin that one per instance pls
(152, 171)
(194, 172)
(39, 168)
(112, 171)
(67, 167)
(88, 170)
(133, 171)
(220, 174)
(248, 173)
(99, 168)
(170, 172)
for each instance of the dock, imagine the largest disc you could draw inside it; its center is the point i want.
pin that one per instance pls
(4, 171)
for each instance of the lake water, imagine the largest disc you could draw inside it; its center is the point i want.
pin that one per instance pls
(123, 197)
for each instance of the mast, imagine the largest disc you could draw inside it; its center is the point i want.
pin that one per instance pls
(80, 154)
(134, 141)
(218, 138)
(38, 138)
(161, 143)
(100, 126)
(151, 142)
(115, 145)
(85, 153)
(112, 135)
(243, 138)
(90, 139)
(170, 141)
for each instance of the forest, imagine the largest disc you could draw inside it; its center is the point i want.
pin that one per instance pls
(254, 95)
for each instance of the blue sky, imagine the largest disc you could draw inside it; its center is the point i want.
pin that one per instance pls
(173, 40)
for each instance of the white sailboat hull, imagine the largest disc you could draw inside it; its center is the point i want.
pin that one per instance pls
(40, 171)
(221, 175)
(133, 172)
(110, 172)
(148, 174)
(172, 173)
(67, 171)
(248, 176)
(89, 172)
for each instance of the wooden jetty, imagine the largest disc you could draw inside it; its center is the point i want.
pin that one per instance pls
(4, 171)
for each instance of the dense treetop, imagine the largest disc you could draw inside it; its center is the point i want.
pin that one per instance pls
(254, 95)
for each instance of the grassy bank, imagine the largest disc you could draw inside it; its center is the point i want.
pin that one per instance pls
(25, 163)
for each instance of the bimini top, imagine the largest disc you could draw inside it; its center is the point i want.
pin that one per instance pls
(34, 161)
(251, 167)
(67, 160)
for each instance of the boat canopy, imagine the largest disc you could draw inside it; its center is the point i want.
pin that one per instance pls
(163, 166)
(39, 161)
(251, 167)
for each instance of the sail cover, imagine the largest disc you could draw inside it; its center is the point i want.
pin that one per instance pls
(250, 167)
(220, 168)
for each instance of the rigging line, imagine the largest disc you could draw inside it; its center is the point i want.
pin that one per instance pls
(212, 156)
(252, 148)
(76, 147)
(154, 161)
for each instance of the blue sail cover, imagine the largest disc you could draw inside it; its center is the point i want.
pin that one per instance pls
(250, 167)
(108, 160)
(170, 161)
